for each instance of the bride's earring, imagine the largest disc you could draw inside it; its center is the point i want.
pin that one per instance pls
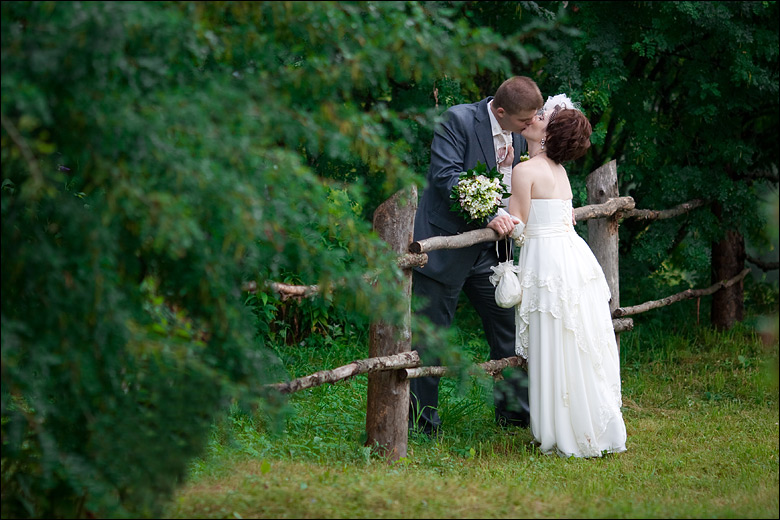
(542, 143)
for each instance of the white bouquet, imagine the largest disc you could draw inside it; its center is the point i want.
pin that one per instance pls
(478, 193)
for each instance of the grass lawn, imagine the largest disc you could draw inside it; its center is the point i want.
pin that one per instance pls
(701, 410)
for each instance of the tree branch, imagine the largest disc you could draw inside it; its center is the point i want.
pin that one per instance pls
(687, 294)
(27, 153)
(408, 364)
(412, 260)
(286, 291)
(651, 214)
(469, 238)
(361, 366)
(622, 324)
(492, 367)
(763, 174)
(603, 210)
(764, 266)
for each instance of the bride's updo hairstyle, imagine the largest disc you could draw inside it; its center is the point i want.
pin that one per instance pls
(568, 135)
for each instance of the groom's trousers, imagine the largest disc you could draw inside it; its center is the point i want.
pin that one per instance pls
(438, 302)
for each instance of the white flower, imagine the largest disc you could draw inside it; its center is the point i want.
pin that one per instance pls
(561, 101)
(478, 193)
(480, 196)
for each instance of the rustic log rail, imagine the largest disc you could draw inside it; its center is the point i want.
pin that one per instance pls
(406, 363)
(469, 238)
(651, 214)
(684, 295)
(492, 367)
(361, 366)
(285, 290)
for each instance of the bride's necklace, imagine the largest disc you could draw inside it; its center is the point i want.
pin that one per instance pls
(537, 153)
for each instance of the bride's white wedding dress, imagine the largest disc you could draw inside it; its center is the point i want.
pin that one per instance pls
(564, 330)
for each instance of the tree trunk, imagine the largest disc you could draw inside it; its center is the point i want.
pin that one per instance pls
(728, 260)
(387, 412)
(603, 233)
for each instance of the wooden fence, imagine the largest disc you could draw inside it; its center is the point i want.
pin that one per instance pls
(391, 361)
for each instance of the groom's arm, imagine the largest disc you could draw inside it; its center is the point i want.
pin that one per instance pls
(448, 151)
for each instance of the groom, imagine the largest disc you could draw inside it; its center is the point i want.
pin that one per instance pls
(487, 132)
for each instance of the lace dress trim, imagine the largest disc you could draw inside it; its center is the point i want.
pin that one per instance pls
(563, 305)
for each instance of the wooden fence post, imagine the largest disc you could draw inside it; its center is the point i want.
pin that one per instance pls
(387, 412)
(603, 233)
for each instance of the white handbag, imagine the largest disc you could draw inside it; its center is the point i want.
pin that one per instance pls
(506, 280)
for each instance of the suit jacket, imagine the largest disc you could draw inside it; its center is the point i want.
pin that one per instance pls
(459, 143)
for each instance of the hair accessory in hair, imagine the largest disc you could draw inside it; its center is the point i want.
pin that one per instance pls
(560, 101)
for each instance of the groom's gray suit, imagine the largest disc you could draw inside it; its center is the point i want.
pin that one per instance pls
(459, 143)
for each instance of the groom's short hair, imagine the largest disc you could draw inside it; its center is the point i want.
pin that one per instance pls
(518, 94)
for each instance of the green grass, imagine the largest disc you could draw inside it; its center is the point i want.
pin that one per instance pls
(701, 410)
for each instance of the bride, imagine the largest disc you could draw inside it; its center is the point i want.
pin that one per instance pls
(563, 323)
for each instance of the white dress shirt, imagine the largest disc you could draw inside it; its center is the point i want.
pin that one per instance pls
(502, 139)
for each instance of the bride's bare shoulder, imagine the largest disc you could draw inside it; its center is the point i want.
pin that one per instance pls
(528, 164)
(534, 166)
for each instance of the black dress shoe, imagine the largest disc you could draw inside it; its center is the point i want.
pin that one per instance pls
(518, 422)
(427, 430)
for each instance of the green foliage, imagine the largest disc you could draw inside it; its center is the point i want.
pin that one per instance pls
(684, 95)
(156, 158)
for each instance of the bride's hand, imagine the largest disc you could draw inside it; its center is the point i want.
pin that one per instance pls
(503, 224)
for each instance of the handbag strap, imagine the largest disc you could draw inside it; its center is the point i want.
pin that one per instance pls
(510, 251)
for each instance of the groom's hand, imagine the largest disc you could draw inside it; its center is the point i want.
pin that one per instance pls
(503, 224)
(509, 159)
